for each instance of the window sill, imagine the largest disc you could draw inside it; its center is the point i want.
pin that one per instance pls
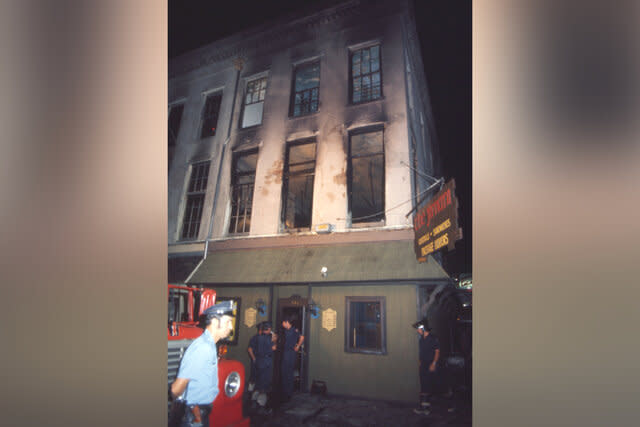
(371, 352)
(354, 104)
(368, 224)
(303, 116)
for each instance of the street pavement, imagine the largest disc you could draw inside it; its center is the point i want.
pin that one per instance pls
(314, 410)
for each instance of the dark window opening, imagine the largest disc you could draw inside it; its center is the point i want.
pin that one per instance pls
(253, 102)
(306, 86)
(242, 183)
(195, 200)
(366, 177)
(175, 116)
(210, 115)
(365, 324)
(366, 77)
(297, 185)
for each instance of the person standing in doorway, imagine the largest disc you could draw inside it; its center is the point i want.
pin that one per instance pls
(264, 363)
(252, 349)
(292, 343)
(429, 353)
(197, 380)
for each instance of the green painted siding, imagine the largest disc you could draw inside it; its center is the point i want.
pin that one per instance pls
(392, 376)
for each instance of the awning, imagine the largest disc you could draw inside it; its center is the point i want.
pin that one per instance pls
(390, 260)
(180, 267)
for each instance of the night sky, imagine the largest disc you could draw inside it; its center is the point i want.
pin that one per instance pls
(444, 28)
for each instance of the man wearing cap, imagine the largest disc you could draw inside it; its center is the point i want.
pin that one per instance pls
(292, 343)
(251, 349)
(197, 380)
(429, 352)
(264, 361)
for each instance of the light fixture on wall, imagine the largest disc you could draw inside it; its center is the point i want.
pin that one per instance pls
(324, 271)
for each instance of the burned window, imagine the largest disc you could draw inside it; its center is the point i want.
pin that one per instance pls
(306, 86)
(175, 116)
(210, 115)
(253, 102)
(195, 200)
(297, 186)
(366, 77)
(242, 183)
(365, 325)
(366, 176)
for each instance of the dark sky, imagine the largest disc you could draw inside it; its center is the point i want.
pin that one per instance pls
(444, 28)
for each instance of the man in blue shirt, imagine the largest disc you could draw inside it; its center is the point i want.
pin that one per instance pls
(197, 380)
(429, 353)
(292, 342)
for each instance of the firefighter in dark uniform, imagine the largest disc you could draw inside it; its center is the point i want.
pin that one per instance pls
(292, 342)
(251, 349)
(429, 353)
(264, 362)
(197, 380)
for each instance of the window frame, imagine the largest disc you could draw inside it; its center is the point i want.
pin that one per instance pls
(352, 50)
(192, 194)
(207, 96)
(292, 98)
(352, 133)
(285, 182)
(348, 348)
(247, 81)
(234, 178)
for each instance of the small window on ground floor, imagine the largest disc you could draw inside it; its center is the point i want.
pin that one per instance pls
(365, 325)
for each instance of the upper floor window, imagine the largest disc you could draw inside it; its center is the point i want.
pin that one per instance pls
(175, 117)
(242, 183)
(366, 176)
(366, 77)
(253, 102)
(210, 114)
(195, 200)
(306, 85)
(297, 185)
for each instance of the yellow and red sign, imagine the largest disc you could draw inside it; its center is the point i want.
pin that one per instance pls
(436, 224)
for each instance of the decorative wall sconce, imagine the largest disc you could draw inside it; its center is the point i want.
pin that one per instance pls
(314, 309)
(261, 306)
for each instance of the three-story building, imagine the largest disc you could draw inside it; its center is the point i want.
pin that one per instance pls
(297, 151)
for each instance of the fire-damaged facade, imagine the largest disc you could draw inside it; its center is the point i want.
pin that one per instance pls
(297, 151)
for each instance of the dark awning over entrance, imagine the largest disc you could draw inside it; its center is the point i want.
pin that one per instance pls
(180, 267)
(390, 260)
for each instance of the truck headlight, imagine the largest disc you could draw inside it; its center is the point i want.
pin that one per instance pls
(232, 384)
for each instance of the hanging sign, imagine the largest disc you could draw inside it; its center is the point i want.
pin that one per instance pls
(250, 317)
(329, 319)
(435, 225)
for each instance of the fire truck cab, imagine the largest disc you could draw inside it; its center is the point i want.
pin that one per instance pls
(183, 304)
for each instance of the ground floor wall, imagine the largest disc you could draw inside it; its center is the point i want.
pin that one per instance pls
(389, 376)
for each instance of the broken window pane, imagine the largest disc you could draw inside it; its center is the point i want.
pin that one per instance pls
(175, 116)
(210, 115)
(195, 200)
(298, 185)
(366, 177)
(242, 185)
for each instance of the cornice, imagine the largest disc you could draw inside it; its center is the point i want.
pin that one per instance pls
(273, 34)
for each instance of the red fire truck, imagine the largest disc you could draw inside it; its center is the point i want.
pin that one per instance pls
(183, 328)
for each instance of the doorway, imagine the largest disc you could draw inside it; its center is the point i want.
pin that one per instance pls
(294, 306)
